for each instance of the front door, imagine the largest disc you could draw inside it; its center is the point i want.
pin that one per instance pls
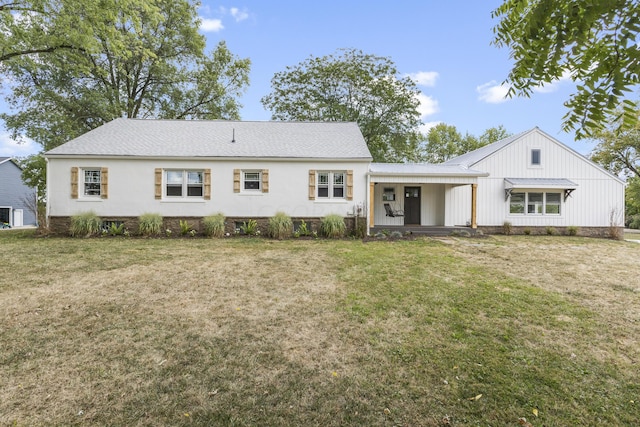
(411, 205)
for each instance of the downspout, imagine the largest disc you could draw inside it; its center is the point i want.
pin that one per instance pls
(46, 193)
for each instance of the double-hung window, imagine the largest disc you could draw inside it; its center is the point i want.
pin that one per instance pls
(184, 183)
(331, 185)
(92, 182)
(251, 181)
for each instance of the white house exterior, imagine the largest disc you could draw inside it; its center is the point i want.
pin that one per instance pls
(252, 170)
(191, 169)
(536, 181)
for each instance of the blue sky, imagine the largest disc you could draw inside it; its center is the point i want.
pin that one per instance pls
(444, 45)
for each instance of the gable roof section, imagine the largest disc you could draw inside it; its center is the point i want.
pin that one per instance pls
(219, 138)
(422, 169)
(4, 159)
(473, 157)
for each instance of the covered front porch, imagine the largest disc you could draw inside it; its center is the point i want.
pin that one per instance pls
(414, 196)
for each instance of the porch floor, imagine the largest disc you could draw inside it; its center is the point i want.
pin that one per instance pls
(423, 230)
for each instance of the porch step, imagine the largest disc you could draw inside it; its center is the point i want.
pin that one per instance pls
(421, 230)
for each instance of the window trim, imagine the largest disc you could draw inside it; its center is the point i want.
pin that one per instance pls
(184, 185)
(330, 185)
(243, 177)
(543, 205)
(539, 154)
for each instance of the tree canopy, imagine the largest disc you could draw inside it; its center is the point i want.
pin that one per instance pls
(74, 65)
(352, 86)
(443, 142)
(595, 42)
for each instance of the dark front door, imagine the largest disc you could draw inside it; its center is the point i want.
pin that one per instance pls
(411, 205)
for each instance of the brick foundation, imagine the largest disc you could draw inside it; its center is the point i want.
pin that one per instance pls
(601, 232)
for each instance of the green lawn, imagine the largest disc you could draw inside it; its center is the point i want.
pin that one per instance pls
(256, 332)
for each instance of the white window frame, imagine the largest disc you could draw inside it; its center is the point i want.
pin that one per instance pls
(184, 184)
(332, 184)
(96, 182)
(535, 165)
(244, 181)
(540, 207)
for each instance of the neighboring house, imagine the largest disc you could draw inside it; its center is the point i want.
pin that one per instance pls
(251, 170)
(190, 169)
(16, 199)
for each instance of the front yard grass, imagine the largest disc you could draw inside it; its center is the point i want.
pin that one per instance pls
(245, 332)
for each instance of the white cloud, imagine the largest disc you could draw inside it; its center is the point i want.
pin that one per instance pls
(492, 92)
(425, 78)
(239, 15)
(428, 105)
(211, 25)
(10, 148)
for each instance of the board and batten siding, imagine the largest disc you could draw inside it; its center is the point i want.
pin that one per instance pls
(431, 207)
(132, 188)
(597, 195)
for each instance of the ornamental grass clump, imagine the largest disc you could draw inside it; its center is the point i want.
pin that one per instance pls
(150, 224)
(214, 225)
(85, 224)
(280, 226)
(332, 226)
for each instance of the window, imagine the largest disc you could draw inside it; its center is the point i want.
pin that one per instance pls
(251, 181)
(91, 182)
(552, 203)
(516, 206)
(184, 183)
(537, 203)
(331, 185)
(535, 157)
(389, 194)
(534, 203)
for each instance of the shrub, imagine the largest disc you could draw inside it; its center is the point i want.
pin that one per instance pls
(214, 225)
(150, 224)
(396, 235)
(85, 224)
(185, 228)
(572, 230)
(507, 228)
(527, 231)
(551, 231)
(635, 221)
(302, 230)
(116, 229)
(280, 226)
(333, 226)
(250, 228)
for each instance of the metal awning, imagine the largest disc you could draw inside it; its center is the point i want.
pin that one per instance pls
(511, 184)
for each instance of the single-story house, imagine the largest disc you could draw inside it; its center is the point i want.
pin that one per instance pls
(17, 200)
(252, 170)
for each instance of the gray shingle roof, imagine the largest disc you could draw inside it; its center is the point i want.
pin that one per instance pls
(214, 138)
(422, 169)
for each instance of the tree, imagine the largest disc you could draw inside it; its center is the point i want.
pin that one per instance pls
(352, 86)
(123, 58)
(619, 153)
(144, 61)
(444, 142)
(594, 42)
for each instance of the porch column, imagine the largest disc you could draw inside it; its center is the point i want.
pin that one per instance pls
(372, 187)
(474, 199)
